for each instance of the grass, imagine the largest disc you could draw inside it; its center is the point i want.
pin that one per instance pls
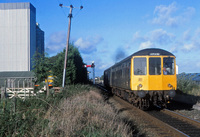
(187, 86)
(86, 115)
(79, 110)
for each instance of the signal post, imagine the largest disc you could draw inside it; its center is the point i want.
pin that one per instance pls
(91, 66)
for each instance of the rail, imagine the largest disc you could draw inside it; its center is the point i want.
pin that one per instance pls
(159, 120)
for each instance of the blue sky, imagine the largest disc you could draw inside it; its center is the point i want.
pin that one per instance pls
(106, 31)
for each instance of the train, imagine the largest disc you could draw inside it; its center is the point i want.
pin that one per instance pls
(146, 78)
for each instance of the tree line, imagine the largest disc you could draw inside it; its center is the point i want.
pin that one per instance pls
(44, 66)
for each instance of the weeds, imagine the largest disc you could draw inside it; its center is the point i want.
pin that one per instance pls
(86, 115)
(187, 86)
(77, 111)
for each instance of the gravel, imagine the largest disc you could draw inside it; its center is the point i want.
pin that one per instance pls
(194, 113)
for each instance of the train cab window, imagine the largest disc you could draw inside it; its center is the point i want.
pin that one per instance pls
(168, 66)
(154, 66)
(140, 66)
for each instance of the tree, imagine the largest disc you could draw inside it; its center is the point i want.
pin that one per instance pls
(41, 68)
(75, 73)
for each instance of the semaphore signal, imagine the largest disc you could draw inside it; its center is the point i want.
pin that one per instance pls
(91, 66)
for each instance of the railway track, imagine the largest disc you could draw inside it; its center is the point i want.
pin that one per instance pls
(182, 123)
(164, 122)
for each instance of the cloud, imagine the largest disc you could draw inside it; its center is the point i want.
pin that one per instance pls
(154, 38)
(190, 40)
(56, 42)
(197, 33)
(147, 44)
(188, 13)
(167, 15)
(161, 37)
(198, 64)
(186, 35)
(103, 67)
(173, 49)
(164, 15)
(137, 37)
(188, 47)
(88, 45)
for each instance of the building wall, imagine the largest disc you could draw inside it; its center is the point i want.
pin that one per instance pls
(39, 39)
(17, 36)
(32, 34)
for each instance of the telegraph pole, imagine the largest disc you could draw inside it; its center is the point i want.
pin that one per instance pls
(67, 44)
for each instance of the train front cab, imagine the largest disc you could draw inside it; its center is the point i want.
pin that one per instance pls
(154, 77)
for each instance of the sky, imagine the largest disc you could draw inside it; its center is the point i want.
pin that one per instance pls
(106, 31)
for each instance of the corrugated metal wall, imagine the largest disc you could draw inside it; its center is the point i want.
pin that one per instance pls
(17, 38)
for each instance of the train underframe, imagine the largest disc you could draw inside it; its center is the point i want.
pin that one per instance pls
(145, 99)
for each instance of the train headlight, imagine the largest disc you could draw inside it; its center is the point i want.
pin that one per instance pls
(140, 85)
(170, 86)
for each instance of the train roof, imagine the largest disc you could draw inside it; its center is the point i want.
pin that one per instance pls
(152, 52)
(147, 52)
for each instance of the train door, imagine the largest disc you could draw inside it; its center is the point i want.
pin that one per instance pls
(155, 77)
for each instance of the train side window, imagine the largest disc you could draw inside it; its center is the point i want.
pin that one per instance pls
(140, 66)
(154, 66)
(168, 66)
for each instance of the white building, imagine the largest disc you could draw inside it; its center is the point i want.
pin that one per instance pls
(17, 36)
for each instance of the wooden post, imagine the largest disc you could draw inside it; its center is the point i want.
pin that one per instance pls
(24, 90)
(2, 93)
(67, 45)
(47, 87)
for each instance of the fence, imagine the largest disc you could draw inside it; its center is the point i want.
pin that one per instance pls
(18, 87)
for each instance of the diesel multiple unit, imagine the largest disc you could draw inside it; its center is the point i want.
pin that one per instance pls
(146, 78)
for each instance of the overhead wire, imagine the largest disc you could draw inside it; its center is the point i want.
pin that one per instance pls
(62, 8)
(76, 13)
(81, 4)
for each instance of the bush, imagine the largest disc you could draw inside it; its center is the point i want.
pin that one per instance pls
(27, 117)
(77, 111)
(187, 86)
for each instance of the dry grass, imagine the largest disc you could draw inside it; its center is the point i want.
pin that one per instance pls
(195, 91)
(85, 115)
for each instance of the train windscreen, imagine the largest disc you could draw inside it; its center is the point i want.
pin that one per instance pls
(140, 66)
(154, 66)
(168, 66)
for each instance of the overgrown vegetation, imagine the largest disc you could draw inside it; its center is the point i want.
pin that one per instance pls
(187, 86)
(45, 66)
(41, 68)
(75, 72)
(77, 111)
(86, 115)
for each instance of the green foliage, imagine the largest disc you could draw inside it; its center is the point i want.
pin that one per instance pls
(20, 122)
(57, 68)
(186, 85)
(29, 118)
(41, 67)
(75, 73)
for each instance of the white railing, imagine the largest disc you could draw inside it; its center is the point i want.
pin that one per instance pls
(20, 92)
